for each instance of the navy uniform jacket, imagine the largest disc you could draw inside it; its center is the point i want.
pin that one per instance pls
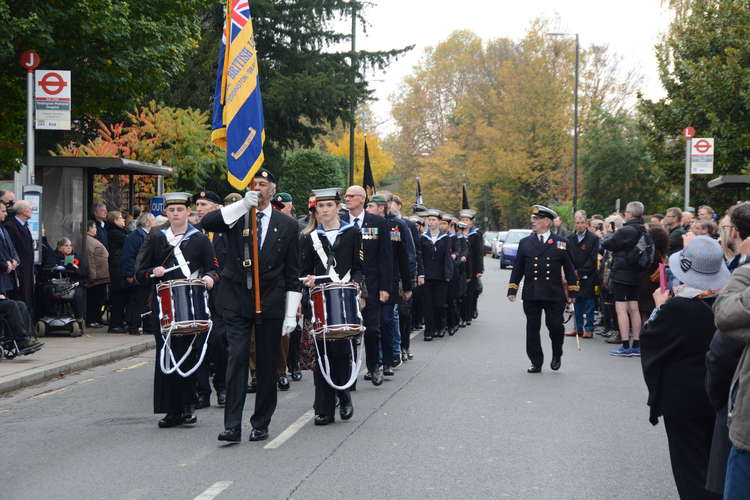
(378, 266)
(476, 253)
(541, 265)
(585, 256)
(438, 264)
(347, 252)
(418, 251)
(404, 257)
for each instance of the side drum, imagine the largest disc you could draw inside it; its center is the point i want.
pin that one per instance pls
(183, 307)
(336, 314)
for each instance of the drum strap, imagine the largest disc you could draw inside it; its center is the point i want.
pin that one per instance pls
(327, 260)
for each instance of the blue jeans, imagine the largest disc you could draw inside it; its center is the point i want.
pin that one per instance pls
(737, 483)
(584, 306)
(396, 334)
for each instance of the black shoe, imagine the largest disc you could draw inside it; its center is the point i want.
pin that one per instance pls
(377, 377)
(117, 330)
(468, 323)
(94, 325)
(368, 376)
(462, 324)
(252, 386)
(475, 315)
(555, 364)
(346, 410)
(534, 369)
(409, 355)
(170, 420)
(297, 376)
(231, 435)
(388, 371)
(427, 338)
(30, 343)
(221, 399)
(396, 361)
(283, 383)
(188, 418)
(134, 332)
(323, 420)
(204, 401)
(258, 435)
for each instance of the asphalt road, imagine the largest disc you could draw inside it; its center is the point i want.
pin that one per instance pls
(463, 419)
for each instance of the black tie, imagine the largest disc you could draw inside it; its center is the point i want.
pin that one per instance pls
(541, 238)
(356, 222)
(260, 229)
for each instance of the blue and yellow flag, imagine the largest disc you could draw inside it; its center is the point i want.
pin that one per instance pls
(238, 125)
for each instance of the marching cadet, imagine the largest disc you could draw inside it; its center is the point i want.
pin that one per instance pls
(378, 271)
(341, 245)
(541, 259)
(452, 312)
(179, 245)
(406, 306)
(216, 356)
(460, 276)
(278, 239)
(438, 270)
(475, 265)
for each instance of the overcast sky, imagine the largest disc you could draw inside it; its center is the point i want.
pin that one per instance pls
(630, 28)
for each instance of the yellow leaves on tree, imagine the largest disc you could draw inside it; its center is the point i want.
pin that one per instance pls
(381, 161)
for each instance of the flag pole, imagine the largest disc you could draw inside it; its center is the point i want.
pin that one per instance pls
(256, 262)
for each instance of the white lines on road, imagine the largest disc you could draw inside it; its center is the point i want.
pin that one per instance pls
(49, 393)
(85, 381)
(290, 431)
(214, 490)
(137, 365)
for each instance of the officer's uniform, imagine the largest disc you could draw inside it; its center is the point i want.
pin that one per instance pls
(541, 264)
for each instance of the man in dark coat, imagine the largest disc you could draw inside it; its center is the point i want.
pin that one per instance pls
(541, 260)
(137, 297)
(278, 238)
(583, 246)
(99, 211)
(20, 235)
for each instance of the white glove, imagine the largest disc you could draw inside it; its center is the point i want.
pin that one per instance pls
(290, 317)
(250, 200)
(234, 212)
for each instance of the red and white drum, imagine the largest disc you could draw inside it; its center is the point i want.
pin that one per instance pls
(335, 311)
(183, 307)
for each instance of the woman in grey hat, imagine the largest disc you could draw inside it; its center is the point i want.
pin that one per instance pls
(674, 342)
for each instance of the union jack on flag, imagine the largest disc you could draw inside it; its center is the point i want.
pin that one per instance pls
(238, 125)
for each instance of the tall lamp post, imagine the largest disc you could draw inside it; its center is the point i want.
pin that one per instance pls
(575, 119)
(354, 102)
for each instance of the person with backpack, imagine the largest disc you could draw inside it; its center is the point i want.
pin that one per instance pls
(633, 253)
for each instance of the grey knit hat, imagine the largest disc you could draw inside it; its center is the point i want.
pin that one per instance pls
(700, 264)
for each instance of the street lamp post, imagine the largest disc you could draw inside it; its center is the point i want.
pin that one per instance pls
(575, 118)
(353, 110)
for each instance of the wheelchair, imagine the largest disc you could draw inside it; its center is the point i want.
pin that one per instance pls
(9, 348)
(59, 292)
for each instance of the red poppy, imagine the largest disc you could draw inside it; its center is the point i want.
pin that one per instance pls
(583, 247)
(549, 241)
(75, 262)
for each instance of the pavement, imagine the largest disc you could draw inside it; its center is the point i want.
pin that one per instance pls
(463, 419)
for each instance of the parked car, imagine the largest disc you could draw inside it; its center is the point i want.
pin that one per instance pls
(510, 246)
(497, 244)
(489, 237)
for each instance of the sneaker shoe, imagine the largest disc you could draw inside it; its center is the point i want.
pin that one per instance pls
(621, 352)
(635, 352)
(396, 361)
(614, 339)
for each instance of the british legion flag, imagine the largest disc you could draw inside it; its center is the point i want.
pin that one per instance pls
(238, 125)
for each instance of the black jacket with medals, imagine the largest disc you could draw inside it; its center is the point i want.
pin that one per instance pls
(585, 257)
(542, 265)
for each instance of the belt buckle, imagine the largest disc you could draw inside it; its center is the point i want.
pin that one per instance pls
(247, 263)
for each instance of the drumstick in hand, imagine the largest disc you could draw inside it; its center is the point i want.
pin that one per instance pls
(170, 269)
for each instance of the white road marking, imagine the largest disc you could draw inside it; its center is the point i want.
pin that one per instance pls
(290, 431)
(86, 381)
(139, 364)
(214, 490)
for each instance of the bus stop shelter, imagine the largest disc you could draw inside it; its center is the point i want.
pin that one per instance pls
(69, 183)
(737, 182)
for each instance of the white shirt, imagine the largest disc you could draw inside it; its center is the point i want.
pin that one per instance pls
(331, 234)
(581, 236)
(544, 236)
(433, 238)
(265, 222)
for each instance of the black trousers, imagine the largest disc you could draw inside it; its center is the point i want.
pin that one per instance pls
(117, 299)
(239, 328)
(469, 305)
(136, 302)
(689, 439)
(174, 393)
(96, 297)
(434, 301)
(292, 359)
(405, 323)
(371, 320)
(453, 311)
(17, 317)
(417, 317)
(339, 357)
(215, 362)
(553, 318)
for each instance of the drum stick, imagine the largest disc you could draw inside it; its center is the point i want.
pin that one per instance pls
(316, 278)
(170, 269)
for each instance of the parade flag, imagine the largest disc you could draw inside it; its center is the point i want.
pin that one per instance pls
(418, 199)
(368, 181)
(238, 125)
(464, 199)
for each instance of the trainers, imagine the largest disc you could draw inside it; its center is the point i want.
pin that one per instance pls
(396, 361)
(635, 352)
(614, 339)
(621, 352)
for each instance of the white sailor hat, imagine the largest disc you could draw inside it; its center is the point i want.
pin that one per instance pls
(176, 199)
(542, 211)
(327, 194)
(467, 212)
(430, 212)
